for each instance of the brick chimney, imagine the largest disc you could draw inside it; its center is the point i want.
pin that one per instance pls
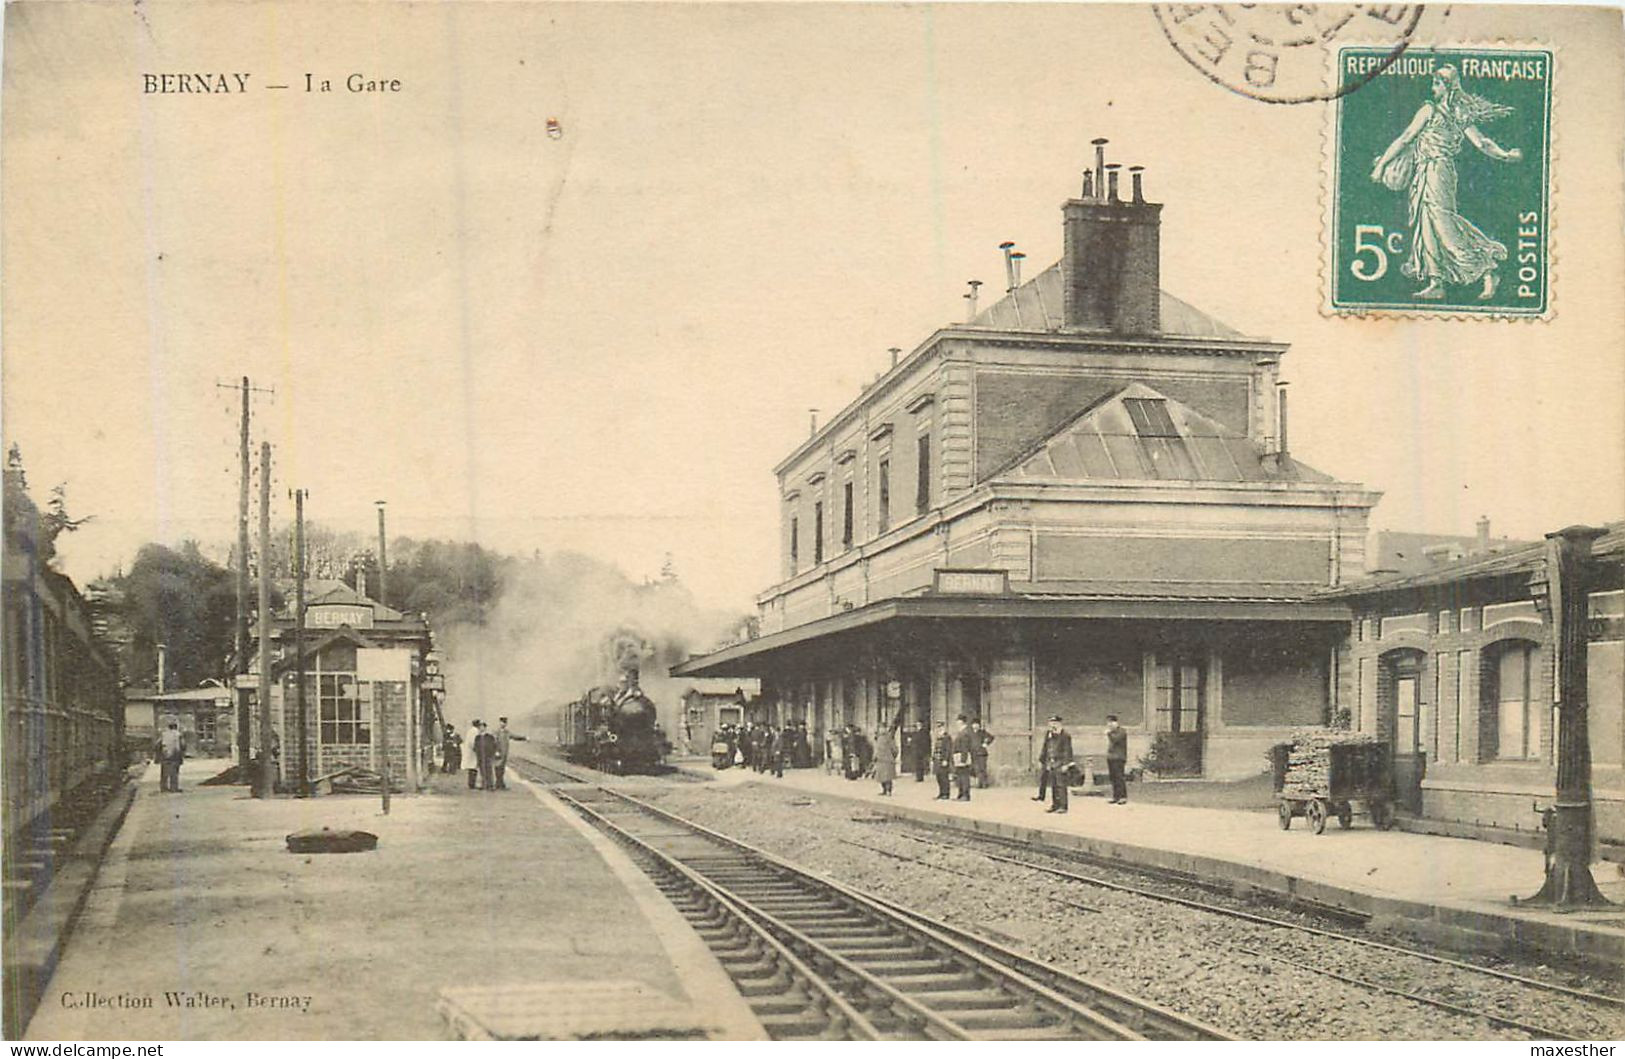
(1111, 258)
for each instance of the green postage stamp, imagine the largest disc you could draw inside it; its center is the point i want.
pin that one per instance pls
(1441, 170)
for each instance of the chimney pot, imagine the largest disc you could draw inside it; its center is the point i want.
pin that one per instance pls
(1088, 184)
(1111, 182)
(970, 300)
(895, 351)
(812, 421)
(1483, 533)
(1135, 173)
(1015, 268)
(1009, 266)
(1280, 415)
(1100, 166)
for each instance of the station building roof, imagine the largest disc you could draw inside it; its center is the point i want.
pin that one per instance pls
(1037, 305)
(1099, 602)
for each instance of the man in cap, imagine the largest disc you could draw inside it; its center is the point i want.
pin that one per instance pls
(500, 762)
(170, 750)
(942, 756)
(965, 744)
(1117, 758)
(472, 764)
(1056, 760)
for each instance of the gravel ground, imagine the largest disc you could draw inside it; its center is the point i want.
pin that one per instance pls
(1191, 961)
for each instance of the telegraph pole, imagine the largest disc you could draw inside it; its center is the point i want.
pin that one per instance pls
(1567, 593)
(240, 636)
(383, 557)
(299, 637)
(266, 780)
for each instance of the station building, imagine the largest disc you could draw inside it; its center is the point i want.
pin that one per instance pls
(372, 689)
(1078, 502)
(1454, 666)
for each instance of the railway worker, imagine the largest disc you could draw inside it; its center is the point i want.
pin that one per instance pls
(942, 757)
(452, 751)
(964, 749)
(920, 755)
(777, 740)
(885, 758)
(472, 765)
(1117, 758)
(981, 739)
(1055, 759)
(500, 761)
(485, 755)
(169, 750)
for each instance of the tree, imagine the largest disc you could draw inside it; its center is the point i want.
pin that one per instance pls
(181, 599)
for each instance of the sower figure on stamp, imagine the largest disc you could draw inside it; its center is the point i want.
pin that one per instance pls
(1117, 758)
(1055, 761)
(1445, 246)
(169, 750)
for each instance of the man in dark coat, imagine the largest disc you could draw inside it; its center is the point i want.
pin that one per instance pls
(964, 749)
(981, 740)
(1117, 758)
(1056, 760)
(485, 756)
(922, 753)
(942, 758)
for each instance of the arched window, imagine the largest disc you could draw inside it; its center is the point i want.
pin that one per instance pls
(1512, 702)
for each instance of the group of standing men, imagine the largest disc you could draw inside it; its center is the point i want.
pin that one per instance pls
(488, 754)
(959, 757)
(1058, 768)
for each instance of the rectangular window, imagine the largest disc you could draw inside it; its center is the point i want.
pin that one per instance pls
(846, 515)
(795, 544)
(883, 513)
(1463, 661)
(922, 489)
(1180, 695)
(341, 717)
(818, 533)
(1519, 726)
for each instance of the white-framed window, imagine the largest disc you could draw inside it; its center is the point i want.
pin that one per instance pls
(1514, 692)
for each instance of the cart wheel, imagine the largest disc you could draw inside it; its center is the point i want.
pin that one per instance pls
(1317, 817)
(1382, 814)
(1345, 816)
(1286, 816)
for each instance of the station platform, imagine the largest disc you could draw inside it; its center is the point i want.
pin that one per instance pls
(1457, 893)
(478, 914)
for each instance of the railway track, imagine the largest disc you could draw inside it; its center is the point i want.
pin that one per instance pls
(1027, 861)
(818, 960)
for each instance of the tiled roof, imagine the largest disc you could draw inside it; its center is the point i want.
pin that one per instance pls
(1610, 547)
(1037, 305)
(1103, 442)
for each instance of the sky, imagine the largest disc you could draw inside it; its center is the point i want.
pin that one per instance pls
(604, 341)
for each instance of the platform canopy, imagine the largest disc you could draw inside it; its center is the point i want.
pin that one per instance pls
(978, 624)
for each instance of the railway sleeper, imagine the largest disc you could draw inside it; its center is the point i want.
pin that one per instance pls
(1020, 1017)
(982, 999)
(918, 984)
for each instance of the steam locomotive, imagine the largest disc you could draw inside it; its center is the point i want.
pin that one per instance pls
(614, 730)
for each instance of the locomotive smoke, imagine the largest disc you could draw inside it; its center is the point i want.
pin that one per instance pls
(566, 623)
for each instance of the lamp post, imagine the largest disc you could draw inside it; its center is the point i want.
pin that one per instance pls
(1562, 593)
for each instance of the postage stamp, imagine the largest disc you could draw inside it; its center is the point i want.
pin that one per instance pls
(1440, 197)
